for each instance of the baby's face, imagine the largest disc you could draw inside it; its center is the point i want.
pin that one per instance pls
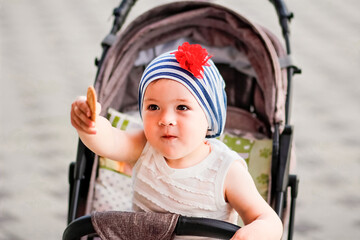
(174, 123)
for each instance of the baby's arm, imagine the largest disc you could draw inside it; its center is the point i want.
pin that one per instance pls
(102, 138)
(261, 221)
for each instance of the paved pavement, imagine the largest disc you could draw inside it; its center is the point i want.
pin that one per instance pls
(47, 53)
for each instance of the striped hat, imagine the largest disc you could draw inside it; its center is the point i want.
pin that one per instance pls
(207, 87)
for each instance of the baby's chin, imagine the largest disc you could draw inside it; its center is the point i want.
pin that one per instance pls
(172, 157)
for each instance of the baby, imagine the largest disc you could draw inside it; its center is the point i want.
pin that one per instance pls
(179, 166)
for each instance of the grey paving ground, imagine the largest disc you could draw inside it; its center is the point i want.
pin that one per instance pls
(46, 59)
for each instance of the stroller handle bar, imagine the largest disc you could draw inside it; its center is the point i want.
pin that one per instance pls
(205, 227)
(190, 226)
(283, 14)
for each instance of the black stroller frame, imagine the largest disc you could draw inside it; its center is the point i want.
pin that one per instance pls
(283, 183)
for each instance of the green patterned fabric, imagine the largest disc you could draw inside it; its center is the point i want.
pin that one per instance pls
(123, 121)
(257, 154)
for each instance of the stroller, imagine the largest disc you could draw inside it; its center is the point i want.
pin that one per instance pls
(258, 73)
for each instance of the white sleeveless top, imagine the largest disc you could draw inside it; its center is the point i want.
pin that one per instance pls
(196, 191)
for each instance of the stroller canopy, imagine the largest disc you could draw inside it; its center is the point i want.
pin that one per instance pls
(231, 38)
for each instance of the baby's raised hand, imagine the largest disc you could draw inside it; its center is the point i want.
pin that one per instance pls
(81, 115)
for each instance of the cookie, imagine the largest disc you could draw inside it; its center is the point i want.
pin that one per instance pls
(91, 100)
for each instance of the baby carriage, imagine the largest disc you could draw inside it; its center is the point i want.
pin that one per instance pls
(257, 71)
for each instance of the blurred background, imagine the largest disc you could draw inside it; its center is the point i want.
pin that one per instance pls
(47, 57)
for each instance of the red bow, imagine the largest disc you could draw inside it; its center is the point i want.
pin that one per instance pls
(192, 57)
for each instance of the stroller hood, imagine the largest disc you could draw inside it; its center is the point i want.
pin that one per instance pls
(210, 25)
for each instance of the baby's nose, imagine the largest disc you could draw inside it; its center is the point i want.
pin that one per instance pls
(167, 119)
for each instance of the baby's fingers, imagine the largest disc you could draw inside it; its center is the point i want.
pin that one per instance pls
(83, 124)
(82, 106)
(80, 117)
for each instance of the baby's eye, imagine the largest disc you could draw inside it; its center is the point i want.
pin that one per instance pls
(182, 108)
(153, 107)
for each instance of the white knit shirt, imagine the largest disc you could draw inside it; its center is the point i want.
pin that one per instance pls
(197, 191)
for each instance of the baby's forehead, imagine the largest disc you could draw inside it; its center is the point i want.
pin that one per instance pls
(166, 83)
(170, 87)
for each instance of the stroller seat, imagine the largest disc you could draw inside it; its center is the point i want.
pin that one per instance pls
(248, 57)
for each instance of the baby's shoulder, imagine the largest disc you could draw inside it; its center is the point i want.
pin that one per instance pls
(224, 153)
(222, 150)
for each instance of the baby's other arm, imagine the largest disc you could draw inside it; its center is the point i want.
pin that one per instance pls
(102, 138)
(261, 221)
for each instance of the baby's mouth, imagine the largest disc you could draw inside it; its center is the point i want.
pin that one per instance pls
(168, 137)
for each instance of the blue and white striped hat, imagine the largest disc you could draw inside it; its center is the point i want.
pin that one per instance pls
(209, 91)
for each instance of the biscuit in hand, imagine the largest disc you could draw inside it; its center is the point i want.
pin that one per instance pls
(91, 101)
